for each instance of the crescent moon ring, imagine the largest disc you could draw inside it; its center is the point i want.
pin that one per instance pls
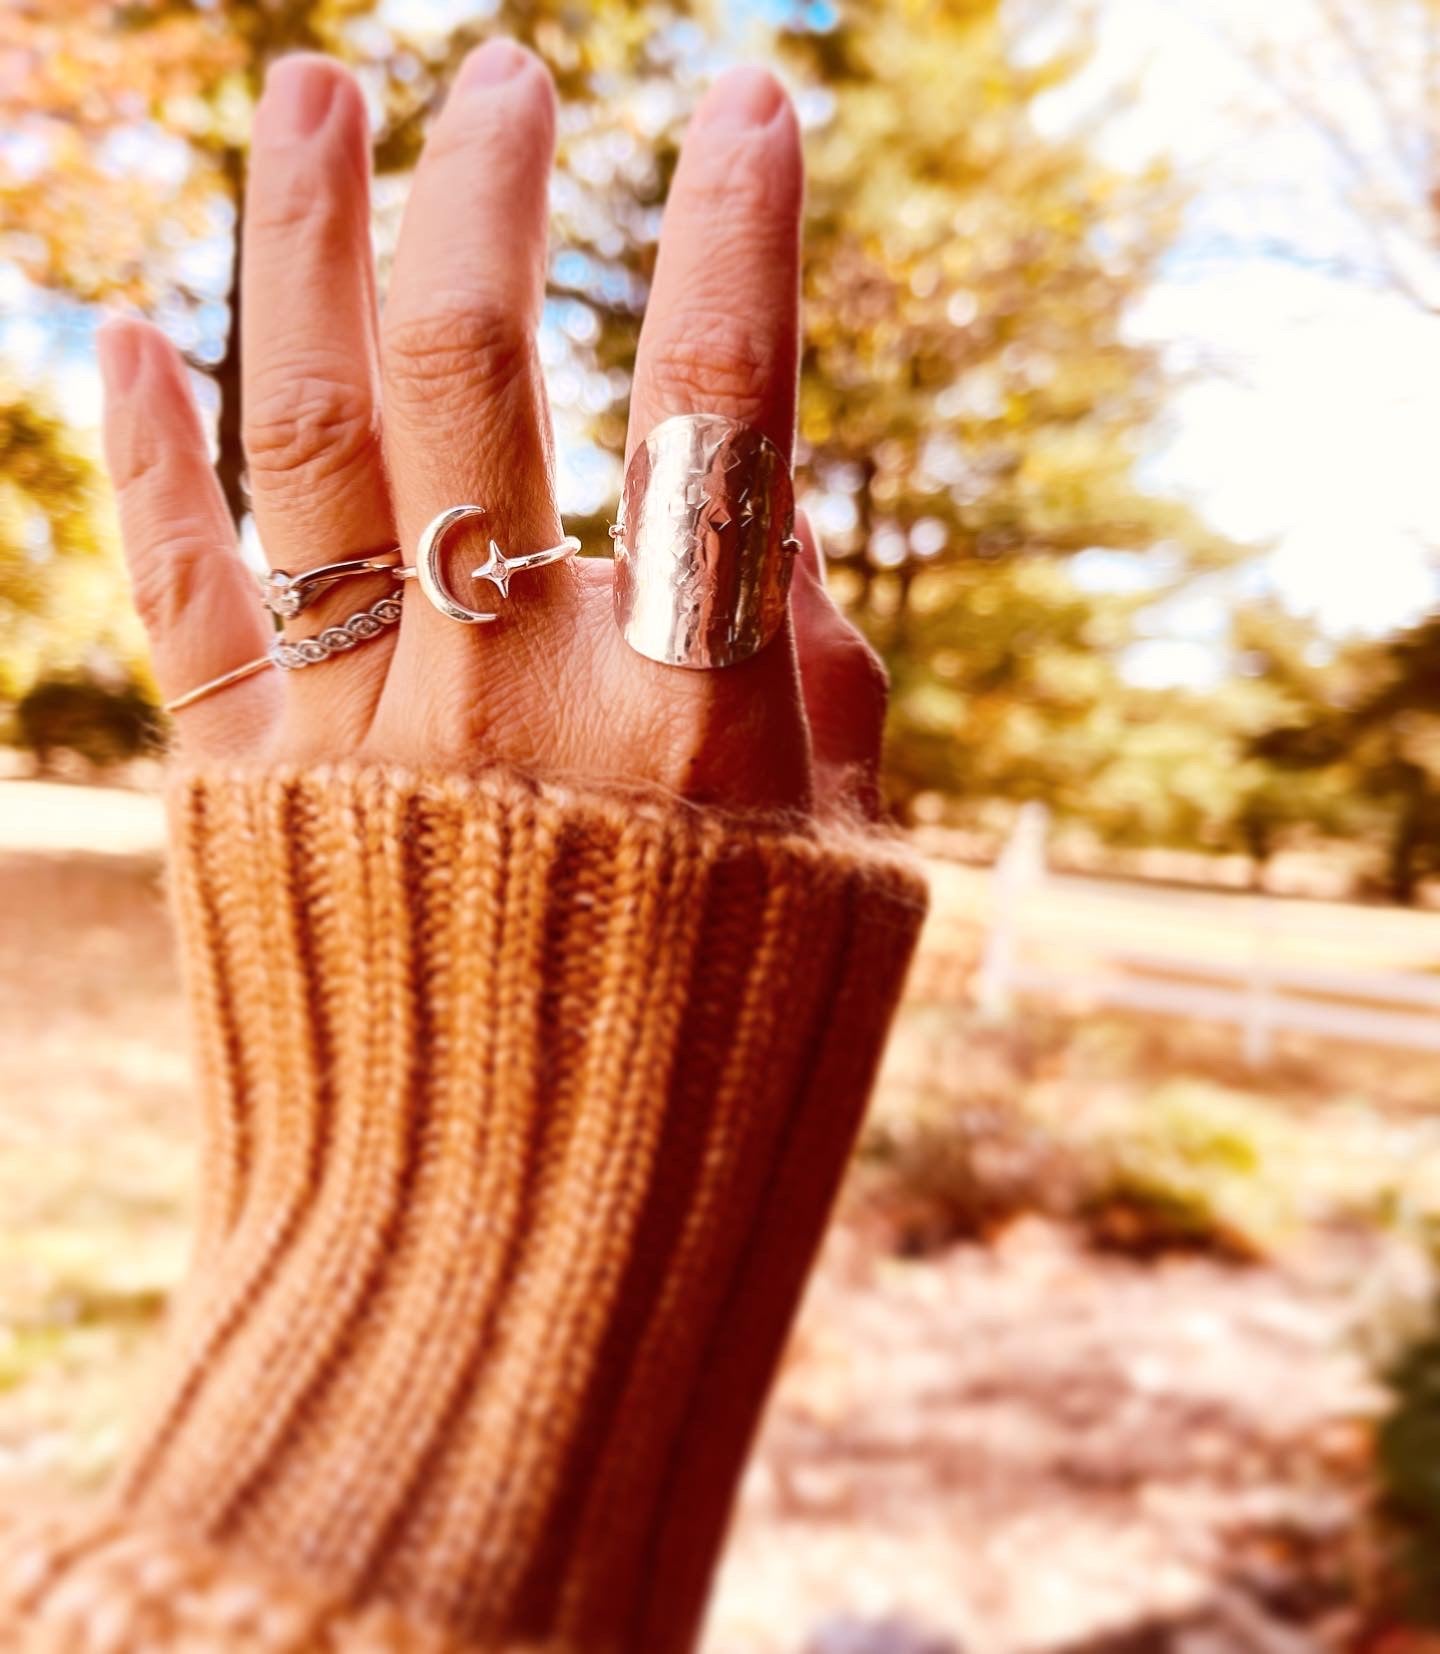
(429, 573)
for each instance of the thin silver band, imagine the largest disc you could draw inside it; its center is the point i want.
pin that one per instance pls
(290, 656)
(238, 675)
(336, 640)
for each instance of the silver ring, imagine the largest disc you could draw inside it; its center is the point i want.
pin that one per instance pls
(291, 656)
(213, 686)
(704, 543)
(497, 567)
(288, 595)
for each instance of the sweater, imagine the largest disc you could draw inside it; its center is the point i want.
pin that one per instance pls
(524, 1107)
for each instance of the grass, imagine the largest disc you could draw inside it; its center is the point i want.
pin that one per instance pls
(1151, 1135)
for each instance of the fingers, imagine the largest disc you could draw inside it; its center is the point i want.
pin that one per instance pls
(721, 332)
(309, 348)
(194, 595)
(465, 413)
(844, 686)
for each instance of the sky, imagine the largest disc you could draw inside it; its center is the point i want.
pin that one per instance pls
(1312, 403)
(1311, 398)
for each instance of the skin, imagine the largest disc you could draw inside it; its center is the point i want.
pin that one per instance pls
(359, 428)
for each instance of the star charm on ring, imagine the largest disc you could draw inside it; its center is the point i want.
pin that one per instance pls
(495, 569)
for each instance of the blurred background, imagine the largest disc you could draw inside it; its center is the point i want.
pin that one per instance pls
(1120, 405)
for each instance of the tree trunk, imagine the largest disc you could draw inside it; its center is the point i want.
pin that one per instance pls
(1258, 839)
(1405, 844)
(230, 459)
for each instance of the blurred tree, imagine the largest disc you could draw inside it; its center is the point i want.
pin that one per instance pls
(1395, 736)
(1365, 77)
(1007, 685)
(972, 406)
(104, 723)
(61, 594)
(1363, 727)
(1289, 678)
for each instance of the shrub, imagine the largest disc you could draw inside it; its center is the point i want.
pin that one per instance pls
(1408, 1464)
(976, 1125)
(100, 723)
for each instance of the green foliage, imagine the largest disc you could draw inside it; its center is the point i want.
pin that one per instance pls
(1365, 725)
(1005, 686)
(1408, 1461)
(32, 1346)
(1139, 1161)
(1196, 1166)
(61, 591)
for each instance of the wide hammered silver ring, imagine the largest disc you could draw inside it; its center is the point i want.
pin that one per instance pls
(704, 543)
(497, 567)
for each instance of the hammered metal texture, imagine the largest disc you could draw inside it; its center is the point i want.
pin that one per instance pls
(703, 551)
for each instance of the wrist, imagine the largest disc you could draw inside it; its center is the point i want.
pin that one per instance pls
(525, 1107)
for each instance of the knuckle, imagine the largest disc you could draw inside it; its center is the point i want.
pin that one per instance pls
(741, 180)
(308, 424)
(870, 675)
(854, 673)
(299, 214)
(455, 357)
(167, 579)
(713, 359)
(137, 463)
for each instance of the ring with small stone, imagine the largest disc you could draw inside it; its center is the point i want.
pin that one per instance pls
(288, 595)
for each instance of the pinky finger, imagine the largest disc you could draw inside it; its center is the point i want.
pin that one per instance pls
(193, 594)
(844, 685)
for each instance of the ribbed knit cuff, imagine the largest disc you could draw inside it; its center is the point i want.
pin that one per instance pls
(525, 1108)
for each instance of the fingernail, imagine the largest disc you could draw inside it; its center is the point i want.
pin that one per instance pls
(121, 350)
(490, 65)
(298, 94)
(740, 100)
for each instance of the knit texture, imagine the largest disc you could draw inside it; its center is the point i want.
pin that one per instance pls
(524, 1110)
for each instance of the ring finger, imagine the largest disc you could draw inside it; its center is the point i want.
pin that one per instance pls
(311, 408)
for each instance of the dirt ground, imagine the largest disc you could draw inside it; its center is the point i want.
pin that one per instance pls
(998, 1448)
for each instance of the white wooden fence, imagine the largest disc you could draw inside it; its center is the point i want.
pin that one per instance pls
(1257, 992)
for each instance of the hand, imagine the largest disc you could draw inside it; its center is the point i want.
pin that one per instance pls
(359, 430)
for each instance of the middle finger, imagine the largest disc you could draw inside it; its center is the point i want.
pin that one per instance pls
(466, 419)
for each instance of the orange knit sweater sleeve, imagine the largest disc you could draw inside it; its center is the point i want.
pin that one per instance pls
(524, 1110)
